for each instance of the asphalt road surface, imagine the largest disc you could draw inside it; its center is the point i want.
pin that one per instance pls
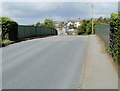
(46, 63)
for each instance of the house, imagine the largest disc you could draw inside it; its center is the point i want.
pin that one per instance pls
(74, 23)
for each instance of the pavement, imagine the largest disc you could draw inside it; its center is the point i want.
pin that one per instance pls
(99, 71)
(0, 69)
(58, 62)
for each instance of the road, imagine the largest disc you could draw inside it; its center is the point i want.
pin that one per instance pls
(47, 63)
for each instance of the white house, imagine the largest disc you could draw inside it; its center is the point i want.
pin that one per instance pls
(76, 22)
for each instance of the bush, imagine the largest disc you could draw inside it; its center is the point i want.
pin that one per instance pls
(8, 26)
(4, 43)
(86, 27)
(47, 23)
(115, 37)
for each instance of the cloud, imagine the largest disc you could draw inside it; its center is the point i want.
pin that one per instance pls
(0, 8)
(32, 12)
(60, 0)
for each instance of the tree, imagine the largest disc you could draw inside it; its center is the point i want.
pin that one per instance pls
(82, 27)
(86, 27)
(103, 20)
(47, 23)
(89, 27)
(37, 24)
(7, 26)
(114, 16)
(71, 26)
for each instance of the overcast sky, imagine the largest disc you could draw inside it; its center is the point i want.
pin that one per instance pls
(33, 12)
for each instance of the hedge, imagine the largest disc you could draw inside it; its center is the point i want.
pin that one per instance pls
(115, 39)
(9, 28)
(112, 35)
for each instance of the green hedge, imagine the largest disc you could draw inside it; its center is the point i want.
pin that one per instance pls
(9, 28)
(115, 38)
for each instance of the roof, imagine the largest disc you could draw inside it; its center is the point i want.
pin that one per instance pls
(77, 20)
(71, 20)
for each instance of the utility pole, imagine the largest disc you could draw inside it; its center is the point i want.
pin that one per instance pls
(92, 16)
(92, 19)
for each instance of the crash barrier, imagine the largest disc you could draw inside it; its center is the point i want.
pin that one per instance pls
(31, 31)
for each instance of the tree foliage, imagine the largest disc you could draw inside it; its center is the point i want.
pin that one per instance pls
(86, 27)
(113, 16)
(7, 26)
(103, 20)
(115, 37)
(47, 23)
(72, 26)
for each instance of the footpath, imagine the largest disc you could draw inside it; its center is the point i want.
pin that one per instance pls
(99, 70)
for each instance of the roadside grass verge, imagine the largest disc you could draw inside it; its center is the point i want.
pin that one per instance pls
(4, 43)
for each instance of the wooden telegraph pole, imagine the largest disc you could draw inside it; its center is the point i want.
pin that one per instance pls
(92, 19)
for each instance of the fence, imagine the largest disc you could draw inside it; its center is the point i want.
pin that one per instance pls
(34, 31)
(103, 31)
(111, 37)
(23, 32)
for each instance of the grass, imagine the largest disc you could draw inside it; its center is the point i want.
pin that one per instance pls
(107, 49)
(4, 42)
(86, 34)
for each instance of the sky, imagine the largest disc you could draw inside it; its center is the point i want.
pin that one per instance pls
(26, 13)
